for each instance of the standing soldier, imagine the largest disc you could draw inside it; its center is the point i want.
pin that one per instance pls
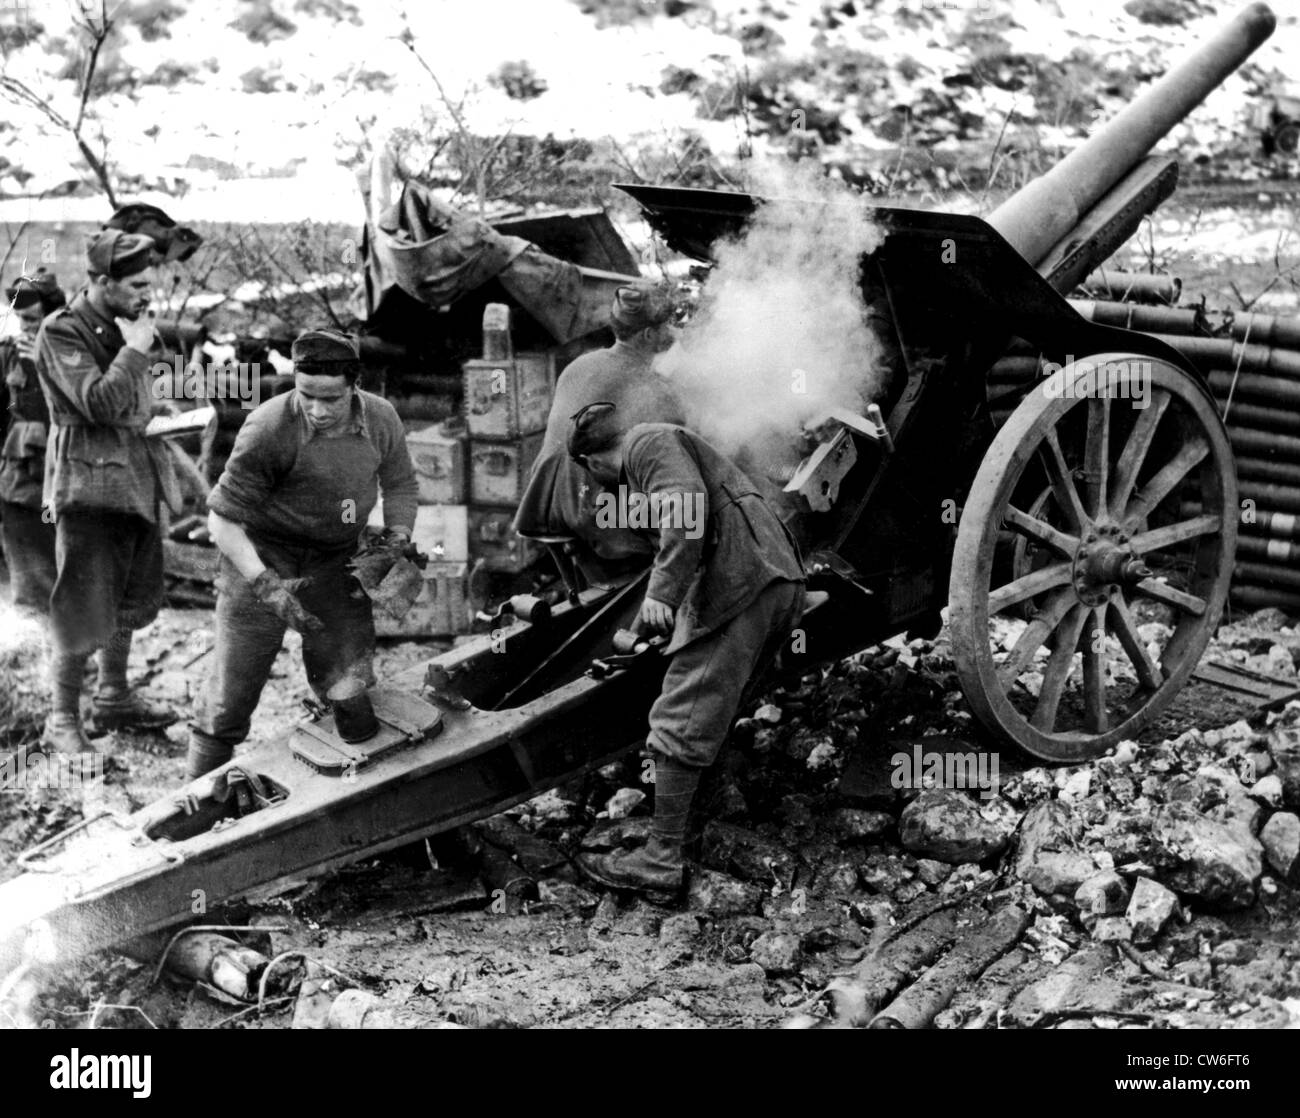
(28, 536)
(286, 514)
(105, 483)
(726, 587)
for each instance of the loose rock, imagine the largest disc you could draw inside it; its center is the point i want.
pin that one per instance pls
(1112, 929)
(1102, 894)
(1268, 791)
(1284, 745)
(1206, 859)
(777, 952)
(1048, 858)
(721, 895)
(623, 802)
(855, 824)
(947, 826)
(1281, 839)
(746, 854)
(1150, 909)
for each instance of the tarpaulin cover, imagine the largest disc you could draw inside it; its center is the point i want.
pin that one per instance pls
(437, 254)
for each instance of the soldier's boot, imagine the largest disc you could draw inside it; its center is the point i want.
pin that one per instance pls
(116, 706)
(63, 732)
(125, 710)
(657, 869)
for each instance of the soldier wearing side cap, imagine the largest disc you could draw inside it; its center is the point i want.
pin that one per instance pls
(105, 484)
(286, 514)
(727, 592)
(561, 496)
(26, 534)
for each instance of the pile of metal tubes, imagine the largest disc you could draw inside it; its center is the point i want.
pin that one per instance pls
(1252, 363)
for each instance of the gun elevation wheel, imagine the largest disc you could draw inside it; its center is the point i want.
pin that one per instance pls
(1082, 594)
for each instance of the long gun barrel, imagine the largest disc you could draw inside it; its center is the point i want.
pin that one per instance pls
(1036, 217)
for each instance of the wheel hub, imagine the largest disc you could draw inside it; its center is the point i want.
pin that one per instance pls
(1104, 561)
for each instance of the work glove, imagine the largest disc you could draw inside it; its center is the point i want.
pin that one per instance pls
(387, 565)
(280, 596)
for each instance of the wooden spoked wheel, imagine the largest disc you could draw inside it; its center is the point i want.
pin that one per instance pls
(1076, 617)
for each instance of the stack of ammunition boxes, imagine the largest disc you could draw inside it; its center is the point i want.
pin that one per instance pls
(507, 401)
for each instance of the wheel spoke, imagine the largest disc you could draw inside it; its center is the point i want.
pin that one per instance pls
(1058, 669)
(1135, 451)
(1094, 671)
(1058, 473)
(1040, 627)
(1125, 629)
(1040, 531)
(1028, 586)
(1097, 455)
(1164, 482)
(1159, 538)
(1163, 592)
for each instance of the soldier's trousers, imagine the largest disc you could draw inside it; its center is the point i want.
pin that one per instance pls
(29, 554)
(706, 680)
(110, 577)
(249, 636)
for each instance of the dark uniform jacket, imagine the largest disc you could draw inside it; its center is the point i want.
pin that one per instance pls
(742, 549)
(22, 459)
(98, 393)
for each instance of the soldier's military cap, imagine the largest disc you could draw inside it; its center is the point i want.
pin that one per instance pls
(325, 347)
(641, 306)
(594, 428)
(41, 287)
(175, 242)
(117, 255)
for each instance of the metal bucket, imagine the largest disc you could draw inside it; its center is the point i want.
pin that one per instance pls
(354, 716)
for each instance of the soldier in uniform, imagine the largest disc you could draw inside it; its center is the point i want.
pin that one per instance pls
(27, 535)
(286, 514)
(727, 591)
(560, 496)
(105, 484)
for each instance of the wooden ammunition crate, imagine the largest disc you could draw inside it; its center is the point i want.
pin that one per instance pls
(492, 539)
(499, 468)
(442, 610)
(506, 399)
(445, 527)
(439, 461)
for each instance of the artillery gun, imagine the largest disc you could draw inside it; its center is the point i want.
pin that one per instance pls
(1070, 543)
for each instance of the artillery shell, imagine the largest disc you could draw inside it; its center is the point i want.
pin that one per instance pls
(1274, 471)
(1264, 574)
(1141, 287)
(1132, 316)
(1283, 551)
(1261, 597)
(1221, 353)
(1267, 329)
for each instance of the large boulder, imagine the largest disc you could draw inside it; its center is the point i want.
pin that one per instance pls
(947, 826)
(1217, 863)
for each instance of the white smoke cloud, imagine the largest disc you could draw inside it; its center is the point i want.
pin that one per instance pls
(781, 333)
